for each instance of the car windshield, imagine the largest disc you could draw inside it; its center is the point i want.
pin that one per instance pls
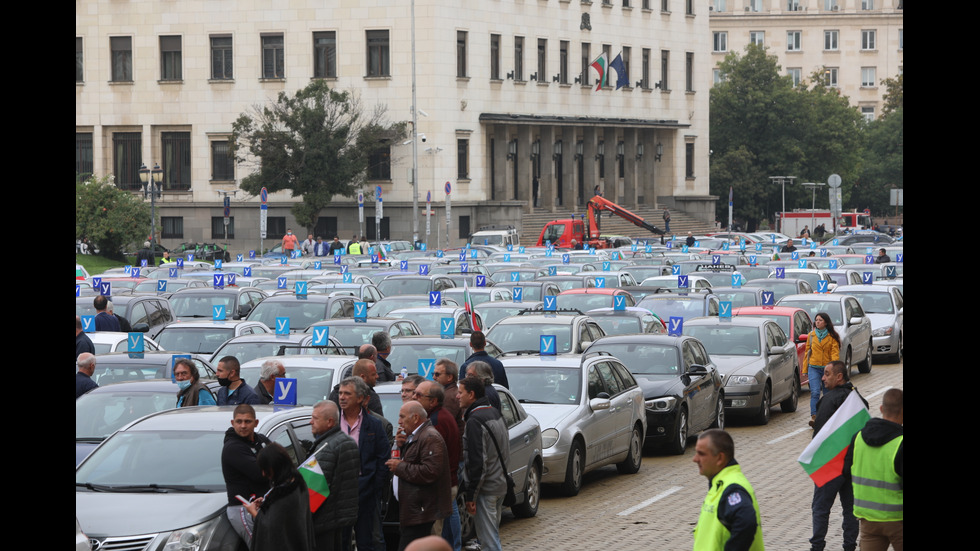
(545, 385)
(197, 306)
(428, 322)
(584, 302)
(553, 233)
(356, 334)
(408, 355)
(512, 337)
(199, 340)
(737, 298)
(493, 315)
(115, 373)
(100, 414)
(404, 286)
(677, 307)
(645, 359)
(727, 339)
(145, 462)
(620, 325)
(313, 384)
(783, 321)
(301, 314)
(814, 307)
(874, 303)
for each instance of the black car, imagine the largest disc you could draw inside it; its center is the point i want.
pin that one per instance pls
(682, 389)
(146, 314)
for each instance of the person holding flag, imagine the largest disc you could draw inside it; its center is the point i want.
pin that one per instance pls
(282, 515)
(841, 413)
(331, 475)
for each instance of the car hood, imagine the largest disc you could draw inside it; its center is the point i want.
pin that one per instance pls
(655, 386)
(736, 365)
(111, 514)
(549, 416)
(881, 320)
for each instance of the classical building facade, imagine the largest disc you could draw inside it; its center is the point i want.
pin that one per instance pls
(506, 100)
(853, 44)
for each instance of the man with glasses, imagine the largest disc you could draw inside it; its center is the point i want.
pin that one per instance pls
(409, 385)
(446, 373)
(432, 397)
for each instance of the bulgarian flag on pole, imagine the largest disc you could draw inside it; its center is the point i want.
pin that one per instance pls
(315, 481)
(823, 459)
(468, 305)
(601, 65)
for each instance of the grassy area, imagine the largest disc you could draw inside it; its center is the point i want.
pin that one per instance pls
(98, 264)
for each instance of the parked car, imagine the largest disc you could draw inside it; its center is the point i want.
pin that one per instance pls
(850, 321)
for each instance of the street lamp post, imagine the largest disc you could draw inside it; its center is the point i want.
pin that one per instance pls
(415, 145)
(782, 181)
(150, 181)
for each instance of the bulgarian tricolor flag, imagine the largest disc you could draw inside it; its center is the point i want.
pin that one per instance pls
(468, 305)
(823, 459)
(601, 65)
(315, 481)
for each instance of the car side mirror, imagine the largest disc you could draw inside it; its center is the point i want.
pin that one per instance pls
(600, 402)
(141, 327)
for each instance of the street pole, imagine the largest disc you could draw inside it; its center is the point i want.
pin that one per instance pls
(782, 181)
(415, 143)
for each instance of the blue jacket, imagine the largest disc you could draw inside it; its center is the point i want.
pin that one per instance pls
(499, 375)
(375, 450)
(83, 384)
(241, 395)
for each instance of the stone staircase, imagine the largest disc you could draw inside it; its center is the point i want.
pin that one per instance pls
(680, 223)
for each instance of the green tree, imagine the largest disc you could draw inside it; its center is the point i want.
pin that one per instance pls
(883, 166)
(894, 95)
(762, 126)
(109, 217)
(317, 144)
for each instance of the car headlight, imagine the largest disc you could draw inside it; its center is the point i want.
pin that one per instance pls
(882, 331)
(549, 437)
(193, 538)
(665, 403)
(742, 380)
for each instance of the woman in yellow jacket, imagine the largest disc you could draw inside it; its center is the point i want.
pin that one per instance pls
(822, 347)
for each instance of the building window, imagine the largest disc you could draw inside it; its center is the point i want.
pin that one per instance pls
(273, 56)
(518, 58)
(867, 4)
(794, 41)
(176, 160)
(795, 74)
(901, 39)
(719, 6)
(378, 60)
(325, 54)
(127, 156)
(218, 228)
(379, 164)
(275, 226)
(543, 60)
(464, 227)
(461, 54)
(689, 72)
(221, 65)
(757, 37)
(222, 162)
(586, 60)
(830, 5)
(755, 5)
(689, 7)
(326, 226)
(122, 58)
(372, 229)
(868, 113)
(627, 61)
(601, 149)
(79, 73)
(831, 40)
(664, 69)
(462, 159)
(621, 159)
(172, 227)
(716, 76)
(563, 61)
(494, 57)
(170, 58)
(720, 41)
(645, 83)
(868, 79)
(689, 160)
(792, 5)
(607, 49)
(830, 76)
(868, 39)
(665, 6)
(83, 155)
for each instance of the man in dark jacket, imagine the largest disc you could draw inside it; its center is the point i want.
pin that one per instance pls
(82, 342)
(83, 377)
(482, 481)
(382, 344)
(432, 396)
(478, 342)
(423, 475)
(837, 385)
(240, 469)
(146, 253)
(233, 389)
(339, 460)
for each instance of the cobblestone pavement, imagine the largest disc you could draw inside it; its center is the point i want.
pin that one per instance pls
(657, 508)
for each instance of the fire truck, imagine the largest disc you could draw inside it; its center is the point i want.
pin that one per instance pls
(792, 223)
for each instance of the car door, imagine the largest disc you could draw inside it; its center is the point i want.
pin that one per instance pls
(521, 436)
(700, 403)
(781, 366)
(599, 427)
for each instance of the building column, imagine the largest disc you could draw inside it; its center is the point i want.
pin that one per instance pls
(500, 165)
(568, 167)
(610, 182)
(590, 176)
(630, 165)
(523, 175)
(547, 194)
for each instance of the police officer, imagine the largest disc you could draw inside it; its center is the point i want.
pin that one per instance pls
(730, 513)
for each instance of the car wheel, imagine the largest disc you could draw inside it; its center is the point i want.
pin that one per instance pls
(901, 349)
(631, 464)
(467, 529)
(719, 422)
(847, 360)
(762, 418)
(532, 495)
(679, 443)
(789, 404)
(574, 470)
(865, 366)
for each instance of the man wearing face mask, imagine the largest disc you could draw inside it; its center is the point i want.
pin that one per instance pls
(192, 391)
(289, 243)
(233, 389)
(382, 342)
